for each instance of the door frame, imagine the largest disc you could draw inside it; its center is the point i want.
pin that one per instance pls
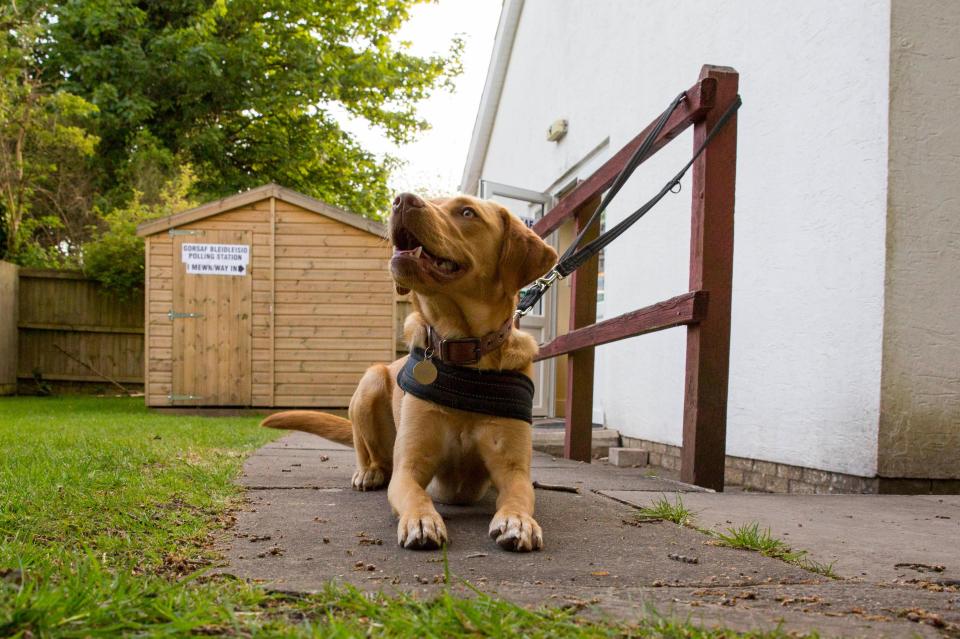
(548, 389)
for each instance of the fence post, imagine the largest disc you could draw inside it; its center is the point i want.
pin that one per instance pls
(9, 307)
(577, 441)
(711, 270)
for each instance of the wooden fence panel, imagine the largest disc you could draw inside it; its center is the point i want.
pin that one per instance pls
(67, 299)
(68, 326)
(65, 309)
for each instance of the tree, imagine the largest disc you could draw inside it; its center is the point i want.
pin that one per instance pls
(44, 143)
(245, 90)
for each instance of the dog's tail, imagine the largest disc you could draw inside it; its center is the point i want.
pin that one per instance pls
(336, 429)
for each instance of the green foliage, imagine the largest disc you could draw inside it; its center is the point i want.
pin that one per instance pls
(151, 171)
(663, 510)
(131, 503)
(115, 258)
(101, 102)
(45, 144)
(245, 90)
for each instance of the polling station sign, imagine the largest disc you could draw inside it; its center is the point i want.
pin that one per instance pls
(215, 259)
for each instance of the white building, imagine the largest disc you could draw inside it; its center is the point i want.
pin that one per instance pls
(845, 344)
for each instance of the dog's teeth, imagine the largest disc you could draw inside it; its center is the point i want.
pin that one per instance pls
(417, 251)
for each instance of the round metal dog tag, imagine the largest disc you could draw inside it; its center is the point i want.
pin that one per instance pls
(425, 372)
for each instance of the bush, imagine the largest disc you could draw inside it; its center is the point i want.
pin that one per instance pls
(115, 258)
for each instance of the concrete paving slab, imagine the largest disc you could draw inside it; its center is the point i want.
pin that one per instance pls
(307, 470)
(320, 468)
(585, 549)
(306, 453)
(306, 527)
(865, 535)
(305, 441)
(951, 502)
(603, 477)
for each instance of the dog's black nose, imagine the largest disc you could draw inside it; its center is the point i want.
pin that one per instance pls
(406, 201)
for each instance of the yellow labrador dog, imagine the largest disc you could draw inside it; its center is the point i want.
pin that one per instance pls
(465, 261)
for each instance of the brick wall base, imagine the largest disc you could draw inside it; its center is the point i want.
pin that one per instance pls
(773, 477)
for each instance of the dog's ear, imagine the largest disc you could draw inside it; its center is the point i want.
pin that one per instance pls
(523, 256)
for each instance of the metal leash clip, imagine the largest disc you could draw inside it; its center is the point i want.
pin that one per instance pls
(538, 288)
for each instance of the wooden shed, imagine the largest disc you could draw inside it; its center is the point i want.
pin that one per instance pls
(268, 298)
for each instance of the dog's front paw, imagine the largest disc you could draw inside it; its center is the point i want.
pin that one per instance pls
(424, 531)
(516, 531)
(369, 478)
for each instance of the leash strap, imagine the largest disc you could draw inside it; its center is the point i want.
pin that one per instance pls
(574, 257)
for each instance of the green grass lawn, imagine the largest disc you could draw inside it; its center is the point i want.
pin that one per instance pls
(108, 517)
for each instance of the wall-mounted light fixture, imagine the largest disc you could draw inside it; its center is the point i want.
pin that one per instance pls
(557, 130)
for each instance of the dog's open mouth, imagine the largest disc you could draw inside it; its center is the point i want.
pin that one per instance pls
(406, 245)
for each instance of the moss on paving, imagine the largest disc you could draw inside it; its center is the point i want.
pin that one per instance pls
(108, 515)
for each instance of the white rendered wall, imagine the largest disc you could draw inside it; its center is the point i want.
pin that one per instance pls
(811, 203)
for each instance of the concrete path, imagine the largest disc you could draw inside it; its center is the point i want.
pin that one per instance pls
(305, 527)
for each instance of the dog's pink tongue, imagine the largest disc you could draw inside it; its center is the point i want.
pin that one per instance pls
(403, 290)
(414, 252)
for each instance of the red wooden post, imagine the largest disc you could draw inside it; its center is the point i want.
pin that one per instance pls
(711, 270)
(577, 441)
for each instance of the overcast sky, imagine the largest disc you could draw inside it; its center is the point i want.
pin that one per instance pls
(434, 162)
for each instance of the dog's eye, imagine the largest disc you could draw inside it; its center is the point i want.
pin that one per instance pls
(468, 212)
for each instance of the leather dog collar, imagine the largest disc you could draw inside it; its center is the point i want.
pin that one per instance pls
(465, 351)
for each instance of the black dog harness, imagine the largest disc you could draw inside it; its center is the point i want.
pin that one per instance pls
(498, 393)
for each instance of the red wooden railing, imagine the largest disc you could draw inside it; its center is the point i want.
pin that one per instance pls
(704, 310)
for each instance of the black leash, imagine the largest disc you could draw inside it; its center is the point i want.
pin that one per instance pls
(573, 257)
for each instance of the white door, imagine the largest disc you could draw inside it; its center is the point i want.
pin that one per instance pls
(530, 206)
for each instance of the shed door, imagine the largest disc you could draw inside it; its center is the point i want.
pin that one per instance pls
(211, 315)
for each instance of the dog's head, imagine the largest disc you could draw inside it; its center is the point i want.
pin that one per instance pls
(464, 246)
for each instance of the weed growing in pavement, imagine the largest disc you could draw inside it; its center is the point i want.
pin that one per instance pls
(750, 537)
(663, 510)
(745, 537)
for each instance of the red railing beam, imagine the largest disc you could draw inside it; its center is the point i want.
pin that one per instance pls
(676, 311)
(700, 99)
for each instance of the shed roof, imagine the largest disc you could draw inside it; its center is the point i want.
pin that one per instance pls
(255, 195)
